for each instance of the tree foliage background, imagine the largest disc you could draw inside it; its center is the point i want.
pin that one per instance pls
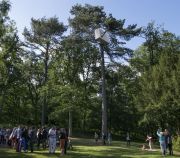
(53, 78)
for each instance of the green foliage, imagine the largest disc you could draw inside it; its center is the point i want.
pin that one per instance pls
(122, 111)
(87, 18)
(176, 143)
(158, 96)
(84, 21)
(49, 77)
(11, 85)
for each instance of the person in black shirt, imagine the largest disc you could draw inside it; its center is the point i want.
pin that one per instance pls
(66, 141)
(44, 137)
(39, 137)
(32, 138)
(168, 141)
(25, 139)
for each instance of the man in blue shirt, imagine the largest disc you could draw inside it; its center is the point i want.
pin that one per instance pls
(161, 136)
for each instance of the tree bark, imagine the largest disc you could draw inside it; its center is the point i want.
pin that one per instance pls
(70, 123)
(104, 104)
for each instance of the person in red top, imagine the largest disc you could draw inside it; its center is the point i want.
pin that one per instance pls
(62, 140)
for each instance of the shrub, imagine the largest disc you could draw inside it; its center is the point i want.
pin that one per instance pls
(176, 143)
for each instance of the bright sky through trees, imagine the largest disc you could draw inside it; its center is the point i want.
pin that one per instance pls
(141, 12)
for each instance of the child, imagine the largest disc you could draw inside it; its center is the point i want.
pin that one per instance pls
(96, 137)
(70, 144)
(109, 138)
(150, 141)
(128, 140)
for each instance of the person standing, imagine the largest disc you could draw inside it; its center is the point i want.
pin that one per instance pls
(66, 141)
(25, 138)
(128, 140)
(149, 139)
(52, 140)
(7, 135)
(32, 138)
(96, 137)
(13, 138)
(62, 140)
(44, 138)
(161, 136)
(109, 137)
(39, 137)
(18, 134)
(104, 138)
(2, 136)
(168, 140)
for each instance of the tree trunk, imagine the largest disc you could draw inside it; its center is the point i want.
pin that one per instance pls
(104, 105)
(44, 118)
(70, 123)
(43, 111)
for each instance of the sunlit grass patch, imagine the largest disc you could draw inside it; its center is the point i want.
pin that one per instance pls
(86, 148)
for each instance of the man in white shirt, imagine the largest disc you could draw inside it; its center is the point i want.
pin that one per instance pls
(52, 140)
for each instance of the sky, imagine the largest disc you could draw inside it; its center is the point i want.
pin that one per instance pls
(140, 12)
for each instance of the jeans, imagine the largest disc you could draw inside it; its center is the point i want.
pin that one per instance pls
(24, 144)
(163, 148)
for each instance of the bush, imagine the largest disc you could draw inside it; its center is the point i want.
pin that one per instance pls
(176, 143)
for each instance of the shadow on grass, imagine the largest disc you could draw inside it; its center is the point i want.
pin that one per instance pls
(9, 153)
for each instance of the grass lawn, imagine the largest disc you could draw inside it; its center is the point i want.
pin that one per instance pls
(86, 148)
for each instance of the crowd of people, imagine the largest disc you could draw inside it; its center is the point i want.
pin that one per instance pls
(30, 138)
(165, 141)
(105, 139)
